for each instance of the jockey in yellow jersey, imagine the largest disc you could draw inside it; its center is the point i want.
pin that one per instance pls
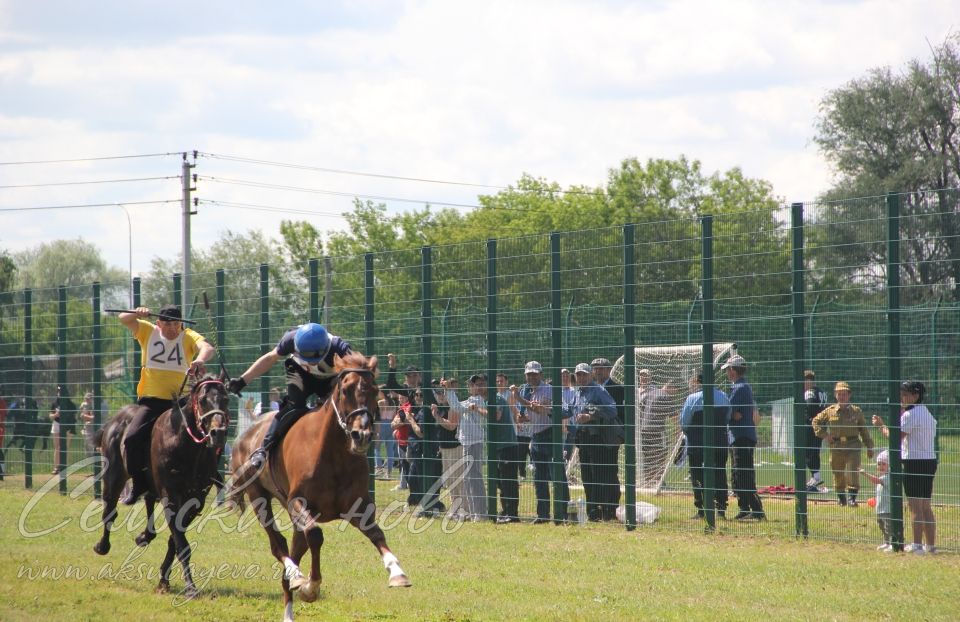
(169, 352)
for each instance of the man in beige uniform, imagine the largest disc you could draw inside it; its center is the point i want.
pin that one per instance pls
(844, 428)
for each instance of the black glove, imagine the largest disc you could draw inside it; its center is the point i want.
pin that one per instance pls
(236, 385)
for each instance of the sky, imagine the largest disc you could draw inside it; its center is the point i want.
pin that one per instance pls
(432, 101)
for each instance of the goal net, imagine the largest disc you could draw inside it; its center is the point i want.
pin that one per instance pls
(662, 374)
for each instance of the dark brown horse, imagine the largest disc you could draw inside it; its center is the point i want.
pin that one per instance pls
(184, 447)
(319, 473)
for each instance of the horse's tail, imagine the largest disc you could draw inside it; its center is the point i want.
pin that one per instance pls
(233, 496)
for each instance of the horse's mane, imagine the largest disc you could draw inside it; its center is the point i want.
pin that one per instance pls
(352, 360)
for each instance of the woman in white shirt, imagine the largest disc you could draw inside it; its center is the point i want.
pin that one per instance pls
(918, 429)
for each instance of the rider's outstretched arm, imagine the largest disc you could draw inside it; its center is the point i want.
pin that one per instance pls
(261, 366)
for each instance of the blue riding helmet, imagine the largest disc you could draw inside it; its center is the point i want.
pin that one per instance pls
(312, 342)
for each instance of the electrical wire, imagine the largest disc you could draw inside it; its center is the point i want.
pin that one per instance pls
(268, 186)
(73, 160)
(114, 204)
(83, 183)
(267, 208)
(321, 169)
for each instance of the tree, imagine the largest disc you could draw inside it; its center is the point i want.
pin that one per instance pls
(8, 272)
(71, 263)
(895, 132)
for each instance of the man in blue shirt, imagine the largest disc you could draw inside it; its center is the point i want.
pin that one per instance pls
(744, 433)
(595, 414)
(691, 420)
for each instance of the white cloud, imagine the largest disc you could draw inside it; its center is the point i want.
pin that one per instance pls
(440, 90)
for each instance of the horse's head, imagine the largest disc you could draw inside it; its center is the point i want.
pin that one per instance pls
(210, 404)
(355, 399)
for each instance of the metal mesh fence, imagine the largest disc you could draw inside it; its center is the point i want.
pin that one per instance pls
(558, 299)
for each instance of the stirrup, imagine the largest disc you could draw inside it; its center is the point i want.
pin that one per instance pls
(257, 458)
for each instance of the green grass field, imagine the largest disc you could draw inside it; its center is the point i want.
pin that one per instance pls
(481, 571)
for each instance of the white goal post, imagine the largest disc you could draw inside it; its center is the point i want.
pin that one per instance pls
(662, 374)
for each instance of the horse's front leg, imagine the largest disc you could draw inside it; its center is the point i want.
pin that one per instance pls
(179, 535)
(312, 538)
(150, 531)
(365, 521)
(164, 585)
(292, 576)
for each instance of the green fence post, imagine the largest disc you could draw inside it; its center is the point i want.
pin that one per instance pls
(493, 478)
(314, 284)
(137, 356)
(370, 345)
(556, 470)
(428, 479)
(800, 426)
(28, 385)
(61, 459)
(893, 368)
(264, 332)
(96, 379)
(710, 426)
(221, 335)
(178, 292)
(629, 377)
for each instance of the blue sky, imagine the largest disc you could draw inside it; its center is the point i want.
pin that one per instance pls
(442, 90)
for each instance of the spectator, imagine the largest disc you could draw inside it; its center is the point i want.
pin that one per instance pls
(568, 397)
(743, 429)
(387, 408)
(694, 428)
(451, 454)
(467, 416)
(596, 415)
(918, 431)
(274, 403)
(63, 412)
(507, 452)
(843, 427)
(601, 373)
(411, 377)
(534, 401)
(815, 401)
(401, 433)
(86, 418)
(653, 407)
(882, 481)
(3, 431)
(421, 493)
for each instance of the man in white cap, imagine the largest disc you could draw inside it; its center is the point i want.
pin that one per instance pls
(534, 403)
(744, 434)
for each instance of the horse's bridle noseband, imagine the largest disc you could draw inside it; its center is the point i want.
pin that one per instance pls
(357, 412)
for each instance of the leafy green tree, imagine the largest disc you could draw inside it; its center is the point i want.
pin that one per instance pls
(894, 132)
(8, 272)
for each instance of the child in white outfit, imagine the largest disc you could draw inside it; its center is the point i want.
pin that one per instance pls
(882, 480)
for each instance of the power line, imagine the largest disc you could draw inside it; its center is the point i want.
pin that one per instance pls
(267, 208)
(114, 204)
(344, 171)
(72, 160)
(83, 183)
(268, 186)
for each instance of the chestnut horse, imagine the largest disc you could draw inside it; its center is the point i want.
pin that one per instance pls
(185, 445)
(319, 473)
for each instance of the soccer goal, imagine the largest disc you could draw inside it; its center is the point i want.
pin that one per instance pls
(662, 374)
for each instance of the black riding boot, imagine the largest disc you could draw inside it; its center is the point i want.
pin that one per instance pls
(278, 428)
(138, 475)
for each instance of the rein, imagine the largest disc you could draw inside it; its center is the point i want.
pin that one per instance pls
(195, 407)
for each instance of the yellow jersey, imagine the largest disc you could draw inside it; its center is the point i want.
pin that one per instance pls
(164, 362)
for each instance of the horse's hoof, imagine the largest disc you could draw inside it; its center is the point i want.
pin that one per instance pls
(163, 587)
(144, 539)
(298, 582)
(190, 592)
(309, 592)
(400, 580)
(101, 548)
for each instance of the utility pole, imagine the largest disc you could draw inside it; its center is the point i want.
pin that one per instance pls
(187, 212)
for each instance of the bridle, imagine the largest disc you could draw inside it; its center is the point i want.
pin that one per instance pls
(201, 418)
(361, 411)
